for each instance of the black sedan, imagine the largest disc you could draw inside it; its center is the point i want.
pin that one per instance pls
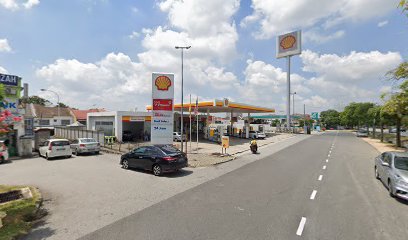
(158, 159)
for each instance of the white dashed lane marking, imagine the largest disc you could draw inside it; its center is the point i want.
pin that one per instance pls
(320, 178)
(324, 167)
(313, 195)
(301, 226)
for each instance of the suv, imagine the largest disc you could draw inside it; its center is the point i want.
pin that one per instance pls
(4, 156)
(257, 134)
(55, 148)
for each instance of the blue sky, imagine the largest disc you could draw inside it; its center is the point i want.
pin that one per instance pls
(85, 49)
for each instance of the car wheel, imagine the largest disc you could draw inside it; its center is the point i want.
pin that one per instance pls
(97, 153)
(125, 164)
(76, 153)
(377, 176)
(69, 156)
(390, 189)
(157, 170)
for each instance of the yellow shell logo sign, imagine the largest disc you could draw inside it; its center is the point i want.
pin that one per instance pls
(288, 42)
(162, 83)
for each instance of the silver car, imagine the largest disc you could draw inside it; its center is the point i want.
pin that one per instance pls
(392, 169)
(85, 145)
(362, 133)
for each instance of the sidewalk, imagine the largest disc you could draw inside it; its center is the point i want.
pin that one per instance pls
(383, 146)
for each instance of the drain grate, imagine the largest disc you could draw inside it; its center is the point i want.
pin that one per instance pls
(10, 196)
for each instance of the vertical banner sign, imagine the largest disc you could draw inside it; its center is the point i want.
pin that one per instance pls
(162, 108)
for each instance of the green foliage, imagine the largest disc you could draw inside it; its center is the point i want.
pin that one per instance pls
(399, 73)
(35, 100)
(1, 92)
(63, 105)
(330, 118)
(404, 5)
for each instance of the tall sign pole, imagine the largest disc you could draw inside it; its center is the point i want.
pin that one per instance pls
(288, 93)
(288, 45)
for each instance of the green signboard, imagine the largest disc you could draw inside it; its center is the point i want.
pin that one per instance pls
(315, 115)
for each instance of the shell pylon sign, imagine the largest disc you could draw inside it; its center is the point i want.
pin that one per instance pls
(289, 44)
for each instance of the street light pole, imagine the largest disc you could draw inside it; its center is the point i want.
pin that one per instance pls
(182, 90)
(58, 101)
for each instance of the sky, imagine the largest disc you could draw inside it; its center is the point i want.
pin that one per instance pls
(101, 53)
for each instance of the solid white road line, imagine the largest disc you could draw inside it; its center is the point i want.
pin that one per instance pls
(301, 226)
(320, 178)
(313, 195)
(324, 167)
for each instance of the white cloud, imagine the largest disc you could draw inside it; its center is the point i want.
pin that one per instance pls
(276, 16)
(3, 70)
(17, 4)
(4, 46)
(382, 23)
(134, 35)
(135, 10)
(357, 66)
(31, 3)
(113, 81)
(315, 36)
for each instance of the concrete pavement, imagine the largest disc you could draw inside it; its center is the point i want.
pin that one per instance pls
(322, 188)
(86, 193)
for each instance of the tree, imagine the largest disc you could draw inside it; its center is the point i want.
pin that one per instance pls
(400, 72)
(330, 118)
(374, 115)
(62, 105)
(397, 107)
(35, 100)
(404, 5)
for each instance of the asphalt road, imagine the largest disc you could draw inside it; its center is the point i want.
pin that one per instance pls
(292, 194)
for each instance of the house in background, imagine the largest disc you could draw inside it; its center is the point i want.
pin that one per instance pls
(48, 116)
(81, 115)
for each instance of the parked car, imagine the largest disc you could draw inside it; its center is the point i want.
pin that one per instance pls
(85, 145)
(392, 169)
(394, 130)
(177, 137)
(4, 156)
(257, 134)
(55, 148)
(158, 159)
(362, 133)
(127, 136)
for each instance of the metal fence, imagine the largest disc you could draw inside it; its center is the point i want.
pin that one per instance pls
(74, 133)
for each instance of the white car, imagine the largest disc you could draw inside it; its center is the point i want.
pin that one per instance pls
(4, 156)
(257, 134)
(55, 148)
(177, 137)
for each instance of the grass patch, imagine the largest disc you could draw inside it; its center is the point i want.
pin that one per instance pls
(20, 214)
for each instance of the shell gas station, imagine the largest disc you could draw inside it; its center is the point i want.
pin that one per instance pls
(212, 127)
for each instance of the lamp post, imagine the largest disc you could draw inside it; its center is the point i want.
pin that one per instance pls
(58, 100)
(182, 92)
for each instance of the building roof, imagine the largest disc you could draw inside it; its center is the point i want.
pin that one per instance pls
(40, 111)
(221, 106)
(81, 114)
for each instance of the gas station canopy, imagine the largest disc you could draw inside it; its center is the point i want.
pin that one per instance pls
(221, 106)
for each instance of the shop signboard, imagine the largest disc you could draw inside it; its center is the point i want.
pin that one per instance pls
(162, 112)
(10, 104)
(10, 80)
(225, 141)
(288, 44)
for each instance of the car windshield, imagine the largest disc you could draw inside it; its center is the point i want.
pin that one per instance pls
(88, 140)
(401, 163)
(168, 149)
(362, 131)
(60, 143)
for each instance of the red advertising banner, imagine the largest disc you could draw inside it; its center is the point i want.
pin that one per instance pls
(163, 104)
